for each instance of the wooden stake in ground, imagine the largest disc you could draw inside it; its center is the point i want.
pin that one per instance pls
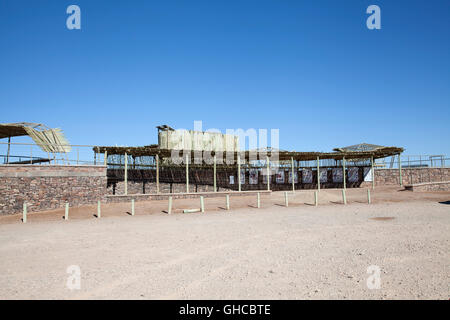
(258, 200)
(66, 212)
(344, 198)
(286, 200)
(24, 217)
(368, 196)
(169, 210)
(132, 207)
(228, 202)
(99, 211)
(316, 198)
(202, 204)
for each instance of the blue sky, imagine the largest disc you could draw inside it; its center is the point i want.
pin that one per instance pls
(311, 69)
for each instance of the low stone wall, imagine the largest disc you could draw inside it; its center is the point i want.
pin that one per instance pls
(159, 196)
(385, 177)
(45, 187)
(429, 186)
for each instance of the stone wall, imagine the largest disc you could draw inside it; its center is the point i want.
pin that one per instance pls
(409, 176)
(429, 186)
(49, 186)
(145, 187)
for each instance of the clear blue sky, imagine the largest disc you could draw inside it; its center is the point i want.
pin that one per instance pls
(309, 68)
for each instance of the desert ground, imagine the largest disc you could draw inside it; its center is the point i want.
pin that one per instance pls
(273, 252)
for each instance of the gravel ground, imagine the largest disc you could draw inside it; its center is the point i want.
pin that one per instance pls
(299, 252)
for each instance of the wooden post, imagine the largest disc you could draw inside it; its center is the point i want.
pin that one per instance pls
(373, 173)
(202, 204)
(215, 171)
(344, 198)
(228, 202)
(157, 173)
(24, 216)
(343, 171)
(9, 148)
(169, 211)
(286, 200)
(187, 174)
(400, 179)
(368, 196)
(66, 212)
(316, 198)
(105, 158)
(126, 174)
(239, 171)
(293, 174)
(99, 211)
(318, 174)
(258, 200)
(268, 173)
(132, 207)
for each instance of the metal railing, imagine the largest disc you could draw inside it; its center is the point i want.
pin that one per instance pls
(31, 153)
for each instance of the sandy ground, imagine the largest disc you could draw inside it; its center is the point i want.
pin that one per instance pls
(299, 252)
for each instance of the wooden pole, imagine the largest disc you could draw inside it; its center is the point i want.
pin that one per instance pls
(99, 211)
(400, 179)
(239, 171)
(373, 173)
(105, 158)
(344, 198)
(343, 171)
(157, 173)
(318, 174)
(316, 198)
(286, 200)
(169, 211)
(258, 200)
(293, 174)
(132, 207)
(66, 212)
(368, 196)
(187, 174)
(24, 216)
(268, 173)
(215, 172)
(228, 201)
(126, 174)
(202, 204)
(9, 148)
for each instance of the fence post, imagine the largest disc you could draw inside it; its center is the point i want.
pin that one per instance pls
(286, 200)
(228, 202)
(318, 174)
(344, 198)
(316, 198)
(157, 173)
(169, 211)
(66, 212)
(258, 200)
(24, 216)
(126, 174)
(239, 171)
(105, 158)
(99, 211)
(187, 174)
(368, 196)
(343, 172)
(132, 207)
(373, 173)
(215, 172)
(202, 204)
(293, 174)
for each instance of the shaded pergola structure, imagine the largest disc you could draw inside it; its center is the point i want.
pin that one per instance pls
(48, 139)
(341, 156)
